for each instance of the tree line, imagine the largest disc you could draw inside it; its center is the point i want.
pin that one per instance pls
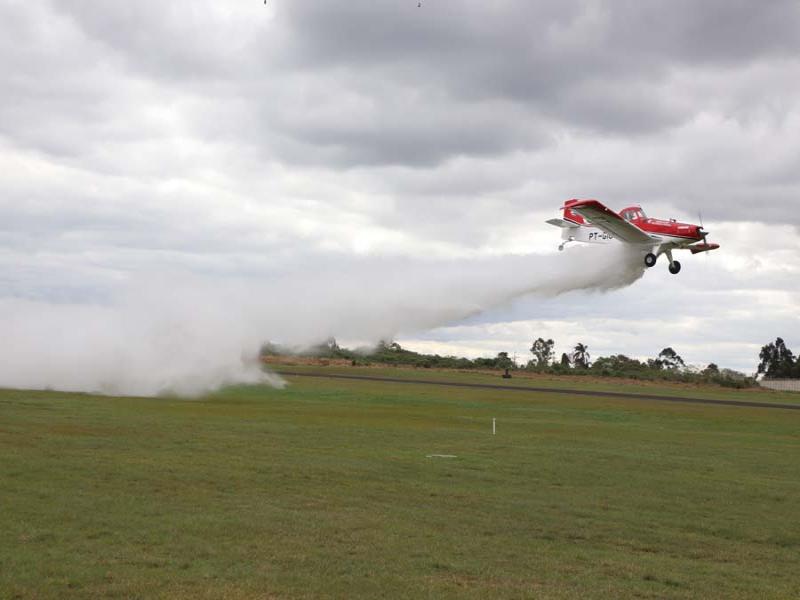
(776, 362)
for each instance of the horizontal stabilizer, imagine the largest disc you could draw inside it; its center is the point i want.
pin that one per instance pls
(561, 223)
(703, 248)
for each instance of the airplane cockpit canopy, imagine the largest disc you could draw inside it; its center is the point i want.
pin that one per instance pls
(635, 213)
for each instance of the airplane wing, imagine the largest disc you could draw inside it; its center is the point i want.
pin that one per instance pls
(561, 223)
(606, 219)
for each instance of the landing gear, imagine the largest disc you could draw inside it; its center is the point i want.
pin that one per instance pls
(565, 242)
(650, 260)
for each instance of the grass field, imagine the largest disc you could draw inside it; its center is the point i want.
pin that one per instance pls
(576, 382)
(325, 490)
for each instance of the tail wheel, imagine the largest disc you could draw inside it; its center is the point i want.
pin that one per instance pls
(675, 267)
(650, 259)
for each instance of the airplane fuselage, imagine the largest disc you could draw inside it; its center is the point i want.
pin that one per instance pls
(589, 221)
(667, 231)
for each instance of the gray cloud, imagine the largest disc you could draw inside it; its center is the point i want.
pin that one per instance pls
(226, 139)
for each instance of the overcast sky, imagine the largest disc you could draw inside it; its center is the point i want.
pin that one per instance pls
(237, 139)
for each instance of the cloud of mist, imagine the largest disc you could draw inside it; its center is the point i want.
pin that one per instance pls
(187, 335)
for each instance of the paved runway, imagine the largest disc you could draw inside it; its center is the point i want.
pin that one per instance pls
(509, 388)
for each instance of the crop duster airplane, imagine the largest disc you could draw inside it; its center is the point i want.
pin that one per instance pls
(592, 222)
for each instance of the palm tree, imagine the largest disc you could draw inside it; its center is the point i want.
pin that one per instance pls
(580, 356)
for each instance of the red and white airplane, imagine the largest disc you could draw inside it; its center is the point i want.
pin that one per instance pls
(593, 222)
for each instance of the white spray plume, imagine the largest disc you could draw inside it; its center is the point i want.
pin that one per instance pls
(188, 335)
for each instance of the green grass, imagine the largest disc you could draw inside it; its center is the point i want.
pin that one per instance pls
(324, 490)
(575, 382)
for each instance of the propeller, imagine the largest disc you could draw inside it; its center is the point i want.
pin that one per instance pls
(703, 233)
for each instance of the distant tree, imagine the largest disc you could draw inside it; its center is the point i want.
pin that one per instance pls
(776, 361)
(327, 349)
(542, 352)
(731, 378)
(566, 361)
(503, 361)
(580, 356)
(767, 360)
(712, 370)
(269, 349)
(619, 365)
(670, 359)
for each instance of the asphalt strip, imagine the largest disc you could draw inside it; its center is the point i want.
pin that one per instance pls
(508, 388)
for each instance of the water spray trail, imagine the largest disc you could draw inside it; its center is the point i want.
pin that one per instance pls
(189, 335)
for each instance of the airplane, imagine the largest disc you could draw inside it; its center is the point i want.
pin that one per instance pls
(592, 222)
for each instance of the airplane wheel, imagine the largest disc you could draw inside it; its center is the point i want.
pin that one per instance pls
(650, 259)
(675, 267)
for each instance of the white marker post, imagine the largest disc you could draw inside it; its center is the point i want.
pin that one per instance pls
(494, 426)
